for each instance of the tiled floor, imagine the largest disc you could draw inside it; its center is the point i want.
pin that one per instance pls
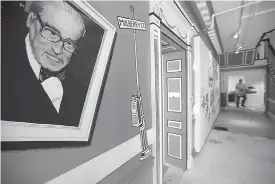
(245, 154)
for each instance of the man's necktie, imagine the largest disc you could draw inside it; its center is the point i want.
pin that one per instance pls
(45, 74)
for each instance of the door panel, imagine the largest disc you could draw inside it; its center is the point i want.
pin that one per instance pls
(175, 124)
(174, 145)
(174, 109)
(174, 94)
(173, 66)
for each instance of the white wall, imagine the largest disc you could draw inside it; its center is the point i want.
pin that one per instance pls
(252, 77)
(207, 92)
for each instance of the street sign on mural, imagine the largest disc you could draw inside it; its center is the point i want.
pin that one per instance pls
(126, 23)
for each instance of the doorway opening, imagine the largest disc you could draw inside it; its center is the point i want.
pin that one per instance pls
(254, 80)
(174, 146)
(250, 119)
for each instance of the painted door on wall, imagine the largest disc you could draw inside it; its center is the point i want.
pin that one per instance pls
(174, 109)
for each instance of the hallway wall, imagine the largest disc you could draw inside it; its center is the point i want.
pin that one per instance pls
(252, 77)
(113, 126)
(207, 91)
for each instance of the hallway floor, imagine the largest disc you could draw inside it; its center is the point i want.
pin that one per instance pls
(245, 154)
(246, 121)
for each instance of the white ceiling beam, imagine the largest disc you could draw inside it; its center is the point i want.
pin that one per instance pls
(226, 11)
(259, 13)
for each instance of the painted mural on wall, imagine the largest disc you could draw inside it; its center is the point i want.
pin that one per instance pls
(52, 53)
(210, 96)
(137, 114)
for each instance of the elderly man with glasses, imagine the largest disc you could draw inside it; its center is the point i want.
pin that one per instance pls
(37, 86)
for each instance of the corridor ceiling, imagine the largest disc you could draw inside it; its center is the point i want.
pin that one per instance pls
(253, 20)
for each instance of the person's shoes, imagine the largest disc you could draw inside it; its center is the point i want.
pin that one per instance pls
(238, 106)
(243, 106)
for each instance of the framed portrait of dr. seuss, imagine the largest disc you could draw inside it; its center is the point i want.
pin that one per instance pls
(55, 57)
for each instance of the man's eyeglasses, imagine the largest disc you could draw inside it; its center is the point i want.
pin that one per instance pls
(53, 36)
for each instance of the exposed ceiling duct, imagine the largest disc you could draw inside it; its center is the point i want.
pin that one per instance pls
(205, 13)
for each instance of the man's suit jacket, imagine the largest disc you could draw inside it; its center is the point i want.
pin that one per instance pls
(23, 98)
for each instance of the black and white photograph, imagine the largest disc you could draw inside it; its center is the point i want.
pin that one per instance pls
(51, 60)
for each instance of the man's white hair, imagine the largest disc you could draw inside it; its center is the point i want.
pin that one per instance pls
(39, 7)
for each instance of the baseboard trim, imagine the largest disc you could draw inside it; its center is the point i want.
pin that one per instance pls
(96, 169)
(272, 116)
